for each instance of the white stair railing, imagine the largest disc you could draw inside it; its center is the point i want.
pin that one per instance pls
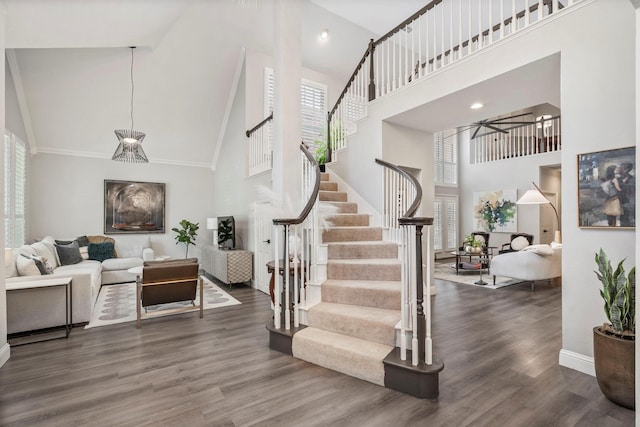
(415, 314)
(259, 149)
(439, 34)
(295, 249)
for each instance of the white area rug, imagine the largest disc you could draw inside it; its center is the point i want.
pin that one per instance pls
(447, 271)
(117, 303)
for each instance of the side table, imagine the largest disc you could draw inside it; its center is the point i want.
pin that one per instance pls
(48, 283)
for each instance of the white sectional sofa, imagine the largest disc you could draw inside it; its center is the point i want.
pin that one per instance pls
(29, 310)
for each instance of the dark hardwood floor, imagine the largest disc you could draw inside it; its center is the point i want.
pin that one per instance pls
(500, 350)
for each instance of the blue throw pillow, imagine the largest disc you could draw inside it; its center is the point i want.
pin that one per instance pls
(101, 251)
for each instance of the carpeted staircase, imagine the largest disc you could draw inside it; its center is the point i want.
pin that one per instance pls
(353, 328)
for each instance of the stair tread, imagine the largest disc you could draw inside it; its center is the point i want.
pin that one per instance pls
(386, 316)
(363, 243)
(364, 284)
(342, 353)
(346, 342)
(365, 261)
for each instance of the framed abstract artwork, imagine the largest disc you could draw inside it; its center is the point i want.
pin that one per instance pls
(607, 189)
(133, 207)
(495, 211)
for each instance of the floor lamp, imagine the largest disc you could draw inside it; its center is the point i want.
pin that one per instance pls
(536, 197)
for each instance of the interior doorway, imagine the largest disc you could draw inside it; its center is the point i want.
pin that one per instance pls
(550, 184)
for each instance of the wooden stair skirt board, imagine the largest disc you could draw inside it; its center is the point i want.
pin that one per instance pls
(419, 381)
(281, 339)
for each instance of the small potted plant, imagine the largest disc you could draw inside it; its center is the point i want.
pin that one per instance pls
(187, 234)
(614, 342)
(321, 153)
(471, 245)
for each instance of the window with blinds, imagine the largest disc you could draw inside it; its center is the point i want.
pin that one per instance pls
(445, 223)
(15, 184)
(313, 107)
(445, 146)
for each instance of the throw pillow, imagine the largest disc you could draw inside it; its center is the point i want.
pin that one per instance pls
(101, 251)
(84, 251)
(519, 243)
(43, 250)
(69, 254)
(63, 242)
(41, 262)
(82, 241)
(27, 266)
(544, 250)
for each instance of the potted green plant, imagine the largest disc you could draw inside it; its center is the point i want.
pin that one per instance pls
(321, 153)
(614, 342)
(187, 234)
(471, 244)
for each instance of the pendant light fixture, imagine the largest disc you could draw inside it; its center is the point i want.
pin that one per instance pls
(130, 148)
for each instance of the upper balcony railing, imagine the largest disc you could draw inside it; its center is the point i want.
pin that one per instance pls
(525, 140)
(439, 34)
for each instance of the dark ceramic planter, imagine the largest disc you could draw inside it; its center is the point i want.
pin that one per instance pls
(614, 360)
(322, 168)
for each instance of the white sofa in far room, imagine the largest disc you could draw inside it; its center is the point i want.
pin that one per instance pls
(535, 262)
(29, 310)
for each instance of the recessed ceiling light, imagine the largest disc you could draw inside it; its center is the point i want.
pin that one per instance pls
(476, 105)
(324, 34)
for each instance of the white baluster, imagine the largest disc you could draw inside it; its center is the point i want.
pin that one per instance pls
(540, 10)
(428, 343)
(277, 289)
(490, 22)
(404, 308)
(287, 298)
(501, 19)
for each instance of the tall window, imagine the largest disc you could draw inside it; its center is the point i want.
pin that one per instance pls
(445, 146)
(313, 103)
(15, 184)
(445, 223)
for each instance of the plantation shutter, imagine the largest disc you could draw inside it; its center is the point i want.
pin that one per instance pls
(313, 107)
(15, 180)
(437, 225)
(445, 223)
(452, 224)
(445, 157)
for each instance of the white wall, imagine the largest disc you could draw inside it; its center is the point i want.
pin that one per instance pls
(67, 197)
(233, 191)
(13, 116)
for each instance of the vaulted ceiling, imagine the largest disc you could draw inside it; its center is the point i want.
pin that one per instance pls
(72, 65)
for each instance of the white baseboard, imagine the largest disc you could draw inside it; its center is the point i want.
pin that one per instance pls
(5, 352)
(577, 361)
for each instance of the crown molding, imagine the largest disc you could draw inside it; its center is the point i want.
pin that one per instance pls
(94, 155)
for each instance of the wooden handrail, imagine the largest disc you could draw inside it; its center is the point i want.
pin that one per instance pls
(312, 199)
(259, 125)
(411, 211)
(346, 87)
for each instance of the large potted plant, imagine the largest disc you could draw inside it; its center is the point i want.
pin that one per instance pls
(186, 234)
(614, 343)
